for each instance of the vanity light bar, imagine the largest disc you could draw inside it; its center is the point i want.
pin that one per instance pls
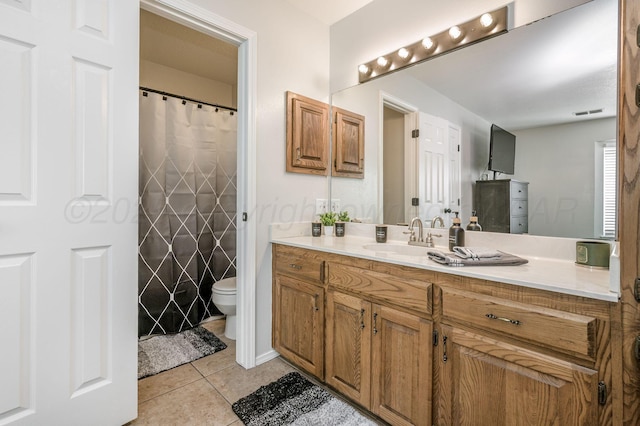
(484, 26)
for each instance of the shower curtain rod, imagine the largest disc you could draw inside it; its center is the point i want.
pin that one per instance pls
(186, 99)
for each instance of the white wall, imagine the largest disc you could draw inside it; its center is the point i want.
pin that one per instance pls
(171, 80)
(564, 153)
(383, 26)
(293, 54)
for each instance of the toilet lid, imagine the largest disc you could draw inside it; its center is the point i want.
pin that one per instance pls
(227, 285)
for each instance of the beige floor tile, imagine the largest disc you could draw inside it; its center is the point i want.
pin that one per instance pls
(195, 404)
(164, 382)
(216, 326)
(235, 382)
(217, 361)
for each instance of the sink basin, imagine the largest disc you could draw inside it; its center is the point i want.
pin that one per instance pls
(402, 249)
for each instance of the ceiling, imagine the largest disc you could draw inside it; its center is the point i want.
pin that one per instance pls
(539, 74)
(176, 46)
(329, 11)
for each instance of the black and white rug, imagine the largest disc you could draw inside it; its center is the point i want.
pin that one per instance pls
(294, 400)
(160, 353)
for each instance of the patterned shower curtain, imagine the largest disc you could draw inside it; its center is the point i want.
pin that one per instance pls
(187, 210)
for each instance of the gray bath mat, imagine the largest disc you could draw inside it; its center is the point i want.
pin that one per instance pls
(160, 353)
(294, 400)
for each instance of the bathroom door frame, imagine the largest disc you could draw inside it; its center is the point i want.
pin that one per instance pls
(205, 21)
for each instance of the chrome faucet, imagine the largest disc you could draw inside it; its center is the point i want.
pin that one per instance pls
(436, 220)
(420, 236)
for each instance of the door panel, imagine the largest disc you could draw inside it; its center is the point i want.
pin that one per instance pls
(401, 367)
(299, 323)
(68, 203)
(438, 167)
(488, 382)
(348, 350)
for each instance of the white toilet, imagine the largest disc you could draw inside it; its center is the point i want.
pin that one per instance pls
(224, 297)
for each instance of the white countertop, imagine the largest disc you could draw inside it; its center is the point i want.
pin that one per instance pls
(557, 275)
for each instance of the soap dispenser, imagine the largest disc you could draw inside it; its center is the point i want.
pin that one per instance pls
(473, 223)
(456, 234)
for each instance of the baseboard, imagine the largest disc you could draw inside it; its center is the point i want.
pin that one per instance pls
(268, 356)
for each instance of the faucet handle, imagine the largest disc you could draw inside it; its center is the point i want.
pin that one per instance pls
(412, 236)
(429, 241)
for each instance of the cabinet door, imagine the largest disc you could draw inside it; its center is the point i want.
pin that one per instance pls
(298, 328)
(348, 144)
(307, 135)
(401, 367)
(484, 381)
(348, 346)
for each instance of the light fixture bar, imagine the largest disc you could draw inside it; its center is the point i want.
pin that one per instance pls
(480, 28)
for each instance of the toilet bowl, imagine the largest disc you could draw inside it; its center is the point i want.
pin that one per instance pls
(223, 295)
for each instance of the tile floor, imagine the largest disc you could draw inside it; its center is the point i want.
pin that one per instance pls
(201, 393)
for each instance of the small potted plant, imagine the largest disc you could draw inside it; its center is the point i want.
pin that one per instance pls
(342, 218)
(328, 219)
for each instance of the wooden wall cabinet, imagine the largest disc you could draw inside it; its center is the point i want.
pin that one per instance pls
(307, 135)
(348, 144)
(308, 127)
(502, 205)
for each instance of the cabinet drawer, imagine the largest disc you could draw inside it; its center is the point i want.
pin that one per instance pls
(519, 191)
(519, 224)
(403, 292)
(299, 263)
(565, 331)
(519, 208)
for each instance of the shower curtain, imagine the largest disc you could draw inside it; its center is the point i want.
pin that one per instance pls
(187, 210)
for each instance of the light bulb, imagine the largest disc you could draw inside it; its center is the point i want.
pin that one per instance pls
(403, 53)
(455, 32)
(427, 43)
(363, 69)
(382, 61)
(486, 20)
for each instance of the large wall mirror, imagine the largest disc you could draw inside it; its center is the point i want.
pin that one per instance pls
(551, 83)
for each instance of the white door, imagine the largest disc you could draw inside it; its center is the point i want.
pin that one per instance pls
(68, 204)
(455, 184)
(437, 170)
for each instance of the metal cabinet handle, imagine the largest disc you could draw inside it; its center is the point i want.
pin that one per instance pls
(294, 266)
(493, 317)
(315, 301)
(375, 327)
(361, 319)
(444, 349)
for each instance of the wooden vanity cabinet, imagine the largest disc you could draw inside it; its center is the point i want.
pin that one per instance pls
(417, 347)
(378, 340)
(501, 361)
(298, 307)
(487, 381)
